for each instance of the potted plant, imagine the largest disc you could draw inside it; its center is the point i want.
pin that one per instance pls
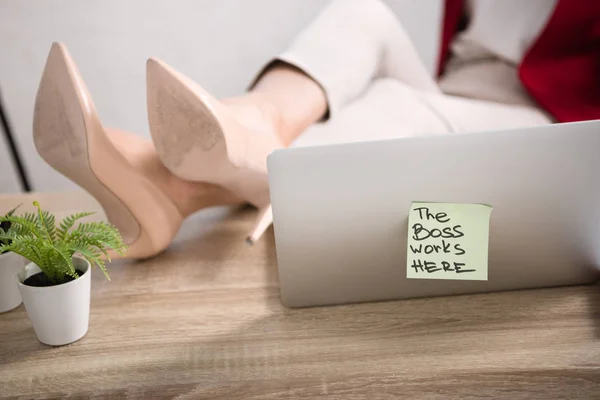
(55, 285)
(10, 263)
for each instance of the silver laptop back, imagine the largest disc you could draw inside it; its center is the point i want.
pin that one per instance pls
(340, 211)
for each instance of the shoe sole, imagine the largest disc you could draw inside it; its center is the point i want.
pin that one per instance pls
(69, 136)
(198, 139)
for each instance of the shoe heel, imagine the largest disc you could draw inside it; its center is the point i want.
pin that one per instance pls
(143, 247)
(263, 221)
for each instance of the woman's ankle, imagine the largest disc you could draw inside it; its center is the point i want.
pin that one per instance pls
(258, 112)
(298, 100)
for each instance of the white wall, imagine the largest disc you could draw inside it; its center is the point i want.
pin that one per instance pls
(9, 180)
(219, 43)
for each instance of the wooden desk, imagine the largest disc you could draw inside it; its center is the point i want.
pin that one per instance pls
(204, 321)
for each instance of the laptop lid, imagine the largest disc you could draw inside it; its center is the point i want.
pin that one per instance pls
(340, 211)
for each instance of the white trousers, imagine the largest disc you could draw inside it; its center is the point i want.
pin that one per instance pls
(378, 88)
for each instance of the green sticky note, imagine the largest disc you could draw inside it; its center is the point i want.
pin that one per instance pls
(448, 241)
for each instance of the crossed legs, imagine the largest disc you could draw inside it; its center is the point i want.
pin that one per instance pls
(354, 68)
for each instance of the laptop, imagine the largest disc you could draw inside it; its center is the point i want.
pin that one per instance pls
(340, 211)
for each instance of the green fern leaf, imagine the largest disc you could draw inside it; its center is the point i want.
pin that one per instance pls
(68, 222)
(27, 247)
(11, 212)
(86, 242)
(46, 223)
(24, 224)
(104, 235)
(5, 225)
(94, 257)
(37, 238)
(67, 256)
(6, 235)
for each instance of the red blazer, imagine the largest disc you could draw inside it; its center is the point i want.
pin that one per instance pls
(561, 70)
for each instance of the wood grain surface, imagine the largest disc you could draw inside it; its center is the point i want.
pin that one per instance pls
(204, 321)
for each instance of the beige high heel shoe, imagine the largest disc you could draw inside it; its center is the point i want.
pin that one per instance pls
(69, 136)
(199, 139)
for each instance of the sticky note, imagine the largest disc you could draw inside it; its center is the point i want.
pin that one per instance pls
(448, 241)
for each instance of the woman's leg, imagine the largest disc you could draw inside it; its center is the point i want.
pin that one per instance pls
(330, 64)
(285, 101)
(390, 109)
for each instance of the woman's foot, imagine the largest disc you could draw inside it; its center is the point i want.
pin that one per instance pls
(188, 197)
(199, 138)
(139, 196)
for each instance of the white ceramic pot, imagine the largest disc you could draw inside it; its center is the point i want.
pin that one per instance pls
(10, 265)
(59, 314)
